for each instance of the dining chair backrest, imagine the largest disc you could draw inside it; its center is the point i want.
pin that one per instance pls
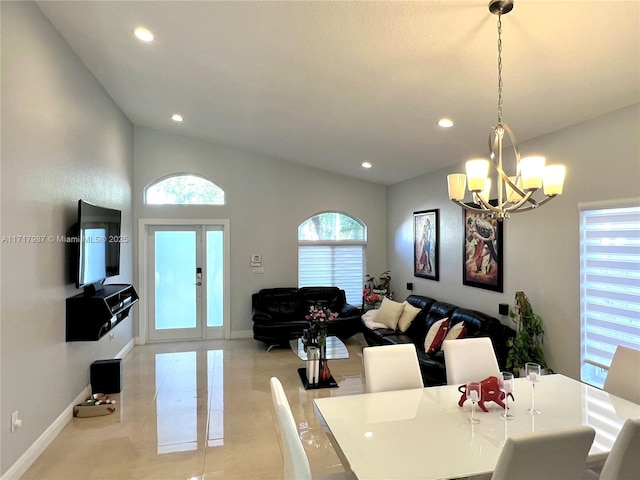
(296, 463)
(623, 461)
(391, 367)
(623, 378)
(557, 454)
(469, 360)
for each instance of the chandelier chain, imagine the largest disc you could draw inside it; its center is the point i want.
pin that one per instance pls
(499, 70)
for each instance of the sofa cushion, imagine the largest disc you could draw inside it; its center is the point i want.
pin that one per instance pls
(369, 319)
(331, 297)
(435, 335)
(457, 331)
(281, 303)
(418, 329)
(476, 323)
(389, 313)
(409, 313)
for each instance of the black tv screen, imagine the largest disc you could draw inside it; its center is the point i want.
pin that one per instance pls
(98, 253)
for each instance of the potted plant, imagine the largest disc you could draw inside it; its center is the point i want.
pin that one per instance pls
(526, 346)
(375, 289)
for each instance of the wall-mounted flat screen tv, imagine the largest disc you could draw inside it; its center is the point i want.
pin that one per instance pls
(98, 252)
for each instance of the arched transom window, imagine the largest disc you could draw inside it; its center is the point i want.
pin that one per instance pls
(331, 249)
(184, 189)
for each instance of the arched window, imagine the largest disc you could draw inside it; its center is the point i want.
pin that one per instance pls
(331, 253)
(184, 189)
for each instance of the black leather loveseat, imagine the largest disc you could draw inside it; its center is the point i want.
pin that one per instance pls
(278, 314)
(432, 365)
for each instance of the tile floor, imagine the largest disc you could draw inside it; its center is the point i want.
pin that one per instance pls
(198, 410)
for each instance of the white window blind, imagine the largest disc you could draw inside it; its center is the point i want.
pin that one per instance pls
(333, 266)
(609, 284)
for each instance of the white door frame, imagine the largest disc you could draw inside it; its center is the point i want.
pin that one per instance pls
(143, 281)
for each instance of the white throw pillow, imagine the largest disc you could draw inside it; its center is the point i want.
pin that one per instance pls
(369, 319)
(389, 313)
(408, 315)
(435, 335)
(457, 331)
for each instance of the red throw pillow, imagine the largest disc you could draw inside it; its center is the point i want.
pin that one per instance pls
(457, 331)
(435, 335)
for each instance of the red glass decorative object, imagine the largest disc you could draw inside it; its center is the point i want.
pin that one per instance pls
(325, 373)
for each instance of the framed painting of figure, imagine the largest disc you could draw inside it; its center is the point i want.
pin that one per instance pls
(482, 262)
(426, 240)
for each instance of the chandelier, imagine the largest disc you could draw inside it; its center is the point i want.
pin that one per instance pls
(515, 192)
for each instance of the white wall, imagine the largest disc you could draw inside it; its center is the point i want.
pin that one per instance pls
(266, 199)
(63, 139)
(541, 248)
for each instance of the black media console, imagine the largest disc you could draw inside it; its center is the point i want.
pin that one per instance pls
(92, 315)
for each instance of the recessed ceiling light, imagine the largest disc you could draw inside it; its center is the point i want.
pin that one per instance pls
(176, 117)
(366, 165)
(143, 34)
(445, 123)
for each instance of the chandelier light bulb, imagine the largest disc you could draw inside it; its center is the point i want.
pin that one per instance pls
(477, 171)
(512, 195)
(532, 170)
(485, 194)
(553, 179)
(457, 182)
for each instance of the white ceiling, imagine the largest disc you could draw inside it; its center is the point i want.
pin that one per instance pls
(332, 84)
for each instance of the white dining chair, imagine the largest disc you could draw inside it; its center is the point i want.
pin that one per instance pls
(623, 378)
(469, 360)
(296, 463)
(391, 367)
(548, 455)
(623, 462)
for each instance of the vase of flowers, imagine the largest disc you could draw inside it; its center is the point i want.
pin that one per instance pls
(319, 317)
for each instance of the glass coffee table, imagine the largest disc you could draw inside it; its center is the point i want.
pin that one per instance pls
(335, 350)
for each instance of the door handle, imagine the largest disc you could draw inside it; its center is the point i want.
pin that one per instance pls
(199, 284)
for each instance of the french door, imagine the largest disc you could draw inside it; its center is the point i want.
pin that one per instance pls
(185, 282)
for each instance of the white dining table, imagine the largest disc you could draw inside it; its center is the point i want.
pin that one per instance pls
(424, 434)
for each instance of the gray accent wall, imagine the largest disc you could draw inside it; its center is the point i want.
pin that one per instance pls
(541, 247)
(266, 200)
(63, 138)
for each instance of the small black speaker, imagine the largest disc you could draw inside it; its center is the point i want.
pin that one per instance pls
(409, 286)
(106, 376)
(503, 309)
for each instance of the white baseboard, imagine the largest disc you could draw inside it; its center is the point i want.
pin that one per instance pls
(241, 334)
(35, 450)
(27, 459)
(126, 349)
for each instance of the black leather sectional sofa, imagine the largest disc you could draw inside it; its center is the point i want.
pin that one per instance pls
(477, 324)
(278, 314)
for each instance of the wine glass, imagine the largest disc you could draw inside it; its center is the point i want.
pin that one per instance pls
(532, 372)
(505, 384)
(474, 393)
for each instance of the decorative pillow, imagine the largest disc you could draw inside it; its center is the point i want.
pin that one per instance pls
(369, 319)
(408, 315)
(435, 335)
(389, 313)
(457, 331)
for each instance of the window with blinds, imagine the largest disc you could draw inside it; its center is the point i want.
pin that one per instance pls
(333, 266)
(331, 253)
(609, 284)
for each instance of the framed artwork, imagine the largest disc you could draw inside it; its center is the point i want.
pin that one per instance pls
(482, 262)
(426, 240)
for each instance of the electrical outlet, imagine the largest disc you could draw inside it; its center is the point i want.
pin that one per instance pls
(16, 421)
